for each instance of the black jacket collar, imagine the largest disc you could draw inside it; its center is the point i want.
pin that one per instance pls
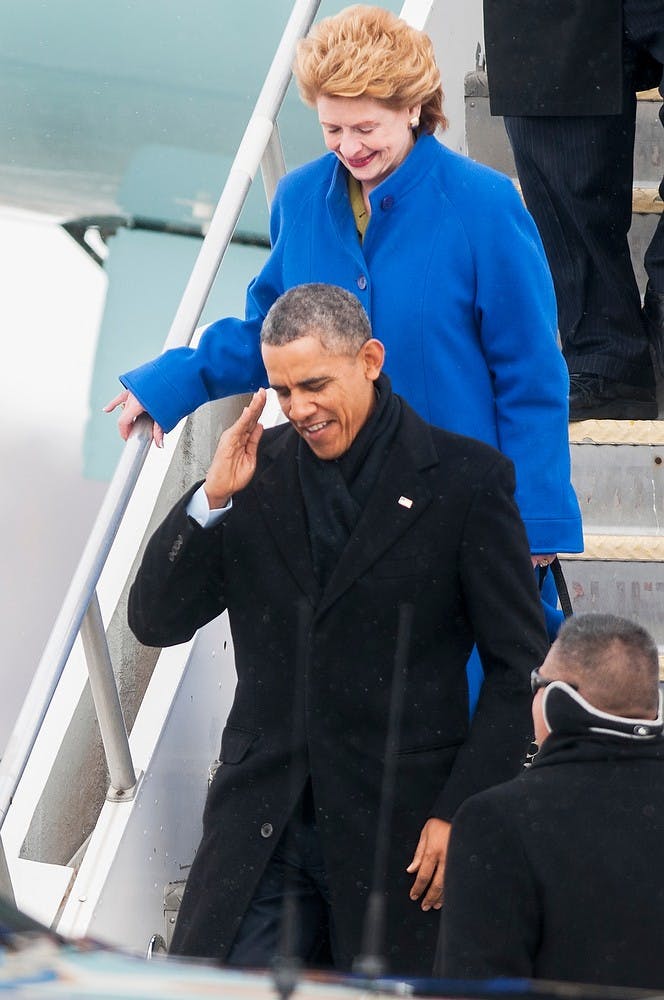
(382, 521)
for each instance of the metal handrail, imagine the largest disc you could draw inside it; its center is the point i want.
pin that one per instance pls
(258, 138)
(245, 165)
(69, 620)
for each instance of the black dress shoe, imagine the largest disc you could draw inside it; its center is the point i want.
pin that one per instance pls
(593, 397)
(653, 314)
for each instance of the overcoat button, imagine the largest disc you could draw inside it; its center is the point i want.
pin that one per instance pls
(387, 203)
(361, 282)
(175, 548)
(267, 830)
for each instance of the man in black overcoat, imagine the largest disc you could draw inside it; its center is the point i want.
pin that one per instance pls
(564, 73)
(331, 539)
(557, 874)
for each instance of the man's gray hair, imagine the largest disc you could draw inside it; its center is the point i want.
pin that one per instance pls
(328, 312)
(616, 662)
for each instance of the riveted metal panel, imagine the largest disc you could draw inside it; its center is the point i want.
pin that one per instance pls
(620, 487)
(629, 589)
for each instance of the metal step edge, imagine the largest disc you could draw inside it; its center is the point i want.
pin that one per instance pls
(601, 547)
(626, 432)
(645, 199)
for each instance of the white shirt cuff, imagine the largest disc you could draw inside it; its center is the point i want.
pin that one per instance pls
(199, 508)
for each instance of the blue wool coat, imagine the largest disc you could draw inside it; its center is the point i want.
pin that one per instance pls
(453, 277)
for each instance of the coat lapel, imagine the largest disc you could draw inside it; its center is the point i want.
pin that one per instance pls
(399, 497)
(282, 507)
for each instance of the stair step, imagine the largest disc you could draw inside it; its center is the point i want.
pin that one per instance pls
(618, 475)
(630, 589)
(627, 432)
(646, 201)
(488, 143)
(617, 465)
(611, 546)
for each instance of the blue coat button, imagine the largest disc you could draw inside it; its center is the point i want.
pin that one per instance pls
(361, 282)
(387, 203)
(267, 830)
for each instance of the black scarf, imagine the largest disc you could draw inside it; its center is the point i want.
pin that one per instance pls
(335, 492)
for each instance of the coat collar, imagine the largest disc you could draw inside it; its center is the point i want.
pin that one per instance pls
(408, 174)
(398, 499)
(565, 748)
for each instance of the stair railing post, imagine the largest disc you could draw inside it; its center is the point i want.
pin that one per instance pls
(107, 703)
(68, 623)
(273, 165)
(6, 887)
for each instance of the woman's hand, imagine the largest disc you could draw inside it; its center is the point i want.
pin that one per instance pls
(131, 408)
(543, 559)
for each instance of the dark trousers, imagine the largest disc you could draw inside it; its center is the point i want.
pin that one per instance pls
(576, 178)
(296, 874)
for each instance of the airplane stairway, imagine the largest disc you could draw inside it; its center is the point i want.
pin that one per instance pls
(84, 858)
(103, 861)
(617, 465)
(103, 780)
(104, 777)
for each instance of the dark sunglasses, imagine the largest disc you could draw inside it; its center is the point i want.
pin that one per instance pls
(537, 681)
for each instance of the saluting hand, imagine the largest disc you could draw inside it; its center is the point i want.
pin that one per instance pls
(234, 461)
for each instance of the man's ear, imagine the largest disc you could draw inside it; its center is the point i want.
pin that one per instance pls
(372, 353)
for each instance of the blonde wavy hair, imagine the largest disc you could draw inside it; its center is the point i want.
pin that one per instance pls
(367, 51)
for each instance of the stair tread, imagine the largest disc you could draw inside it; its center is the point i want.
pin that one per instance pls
(618, 547)
(627, 432)
(646, 200)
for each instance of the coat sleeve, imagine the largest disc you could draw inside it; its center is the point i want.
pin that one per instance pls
(179, 586)
(490, 915)
(505, 613)
(227, 360)
(517, 318)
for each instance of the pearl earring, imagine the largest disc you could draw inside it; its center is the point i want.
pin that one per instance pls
(414, 121)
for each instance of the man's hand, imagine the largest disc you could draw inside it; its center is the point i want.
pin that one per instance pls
(234, 461)
(429, 863)
(131, 408)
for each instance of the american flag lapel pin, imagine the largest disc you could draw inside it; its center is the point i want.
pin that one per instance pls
(405, 502)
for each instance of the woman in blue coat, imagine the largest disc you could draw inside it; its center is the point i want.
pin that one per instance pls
(440, 251)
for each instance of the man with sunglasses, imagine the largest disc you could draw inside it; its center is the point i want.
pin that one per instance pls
(554, 875)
